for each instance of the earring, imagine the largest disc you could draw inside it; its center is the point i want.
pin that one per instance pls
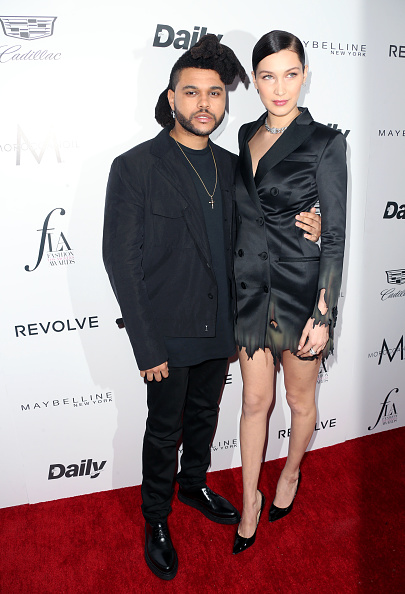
(257, 90)
(173, 114)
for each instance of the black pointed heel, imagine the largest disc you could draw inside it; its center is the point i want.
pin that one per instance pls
(241, 543)
(276, 513)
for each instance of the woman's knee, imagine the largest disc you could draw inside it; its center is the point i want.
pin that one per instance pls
(255, 403)
(301, 403)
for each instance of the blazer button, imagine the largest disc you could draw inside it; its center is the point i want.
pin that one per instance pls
(243, 285)
(263, 256)
(210, 296)
(240, 253)
(260, 221)
(266, 289)
(274, 191)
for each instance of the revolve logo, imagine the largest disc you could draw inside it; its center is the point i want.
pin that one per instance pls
(394, 211)
(319, 426)
(88, 467)
(165, 36)
(388, 412)
(27, 28)
(396, 51)
(59, 252)
(58, 326)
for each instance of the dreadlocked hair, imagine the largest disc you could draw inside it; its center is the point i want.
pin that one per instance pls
(207, 54)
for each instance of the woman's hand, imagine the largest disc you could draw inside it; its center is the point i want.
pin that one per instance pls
(313, 339)
(310, 222)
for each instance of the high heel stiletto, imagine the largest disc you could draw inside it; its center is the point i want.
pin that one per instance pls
(276, 513)
(241, 543)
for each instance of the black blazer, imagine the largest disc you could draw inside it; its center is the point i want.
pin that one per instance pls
(278, 272)
(155, 246)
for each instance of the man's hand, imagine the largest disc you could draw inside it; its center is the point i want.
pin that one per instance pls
(311, 223)
(156, 373)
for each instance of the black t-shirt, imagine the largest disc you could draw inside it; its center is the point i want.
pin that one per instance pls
(185, 351)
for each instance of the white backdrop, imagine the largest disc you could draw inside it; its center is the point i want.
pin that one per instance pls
(79, 86)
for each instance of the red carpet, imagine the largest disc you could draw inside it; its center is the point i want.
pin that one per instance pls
(345, 534)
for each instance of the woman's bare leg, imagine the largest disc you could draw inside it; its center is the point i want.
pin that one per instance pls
(258, 377)
(300, 383)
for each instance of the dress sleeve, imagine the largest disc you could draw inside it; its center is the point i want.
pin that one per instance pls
(123, 239)
(331, 179)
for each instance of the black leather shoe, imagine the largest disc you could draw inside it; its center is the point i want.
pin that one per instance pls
(213, 506)
(276, 513)
(160, 555)
(241, 543)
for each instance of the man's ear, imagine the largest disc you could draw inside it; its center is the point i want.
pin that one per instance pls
(170, 98)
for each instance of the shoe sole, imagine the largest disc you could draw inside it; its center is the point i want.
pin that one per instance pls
(206, 513)
(163, 575)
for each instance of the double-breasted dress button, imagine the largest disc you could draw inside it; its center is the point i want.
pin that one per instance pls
(260, 221)
(274, 191)
(208, 265)
(210, 296)
(243, 285)
(263, 256)
(241, 253)
(266, 289)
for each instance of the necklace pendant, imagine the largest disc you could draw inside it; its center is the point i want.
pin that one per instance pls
(212, 202)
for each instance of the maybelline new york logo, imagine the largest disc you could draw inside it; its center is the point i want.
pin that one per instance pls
(394, 277)
(27, 28)
(337, 48)
(165, 35)
(58, 250)
(88, 467)
(388, 411)
(388, 352)
(75, 402)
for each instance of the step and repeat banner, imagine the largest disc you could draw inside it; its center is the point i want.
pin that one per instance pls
(79, 86)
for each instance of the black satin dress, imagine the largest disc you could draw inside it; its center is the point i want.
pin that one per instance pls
(278, 272)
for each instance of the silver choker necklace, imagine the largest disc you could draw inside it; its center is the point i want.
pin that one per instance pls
(273, 130)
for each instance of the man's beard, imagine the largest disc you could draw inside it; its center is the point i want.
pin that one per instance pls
(187, 123)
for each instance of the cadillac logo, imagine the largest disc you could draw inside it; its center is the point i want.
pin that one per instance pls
(28, 27)
(395, 277)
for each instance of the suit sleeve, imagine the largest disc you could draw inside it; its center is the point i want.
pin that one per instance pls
(331, 181)
(123, 237)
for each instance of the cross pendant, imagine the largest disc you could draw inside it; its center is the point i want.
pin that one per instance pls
(212, 202)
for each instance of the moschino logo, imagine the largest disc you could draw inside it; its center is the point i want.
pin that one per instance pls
(182, 39)
(88, 467)
(390, 352)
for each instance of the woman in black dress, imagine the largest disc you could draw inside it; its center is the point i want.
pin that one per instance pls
(287, 287)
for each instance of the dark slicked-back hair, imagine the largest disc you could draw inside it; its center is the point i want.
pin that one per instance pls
(207, 54)
(274, 42)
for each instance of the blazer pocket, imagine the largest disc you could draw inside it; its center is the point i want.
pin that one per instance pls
(307, 259)
(301, 157)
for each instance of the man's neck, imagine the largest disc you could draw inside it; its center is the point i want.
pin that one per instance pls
(188, 139)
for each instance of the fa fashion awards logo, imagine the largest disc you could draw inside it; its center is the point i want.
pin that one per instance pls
(394, 277)
(388, 412)
(88, 467)
(27, 28)
(182, 39)
(59, 251)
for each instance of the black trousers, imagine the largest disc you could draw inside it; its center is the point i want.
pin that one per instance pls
(186, 403)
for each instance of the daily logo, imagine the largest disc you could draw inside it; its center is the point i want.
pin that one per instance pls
(58, 249)
(394, 211)
(165, 36)
(335, 127)
(388, 412)
(88, 467)
(27, 28)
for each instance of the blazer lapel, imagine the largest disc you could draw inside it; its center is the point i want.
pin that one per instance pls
(297, 132)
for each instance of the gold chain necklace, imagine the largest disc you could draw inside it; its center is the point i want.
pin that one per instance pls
(199, 177)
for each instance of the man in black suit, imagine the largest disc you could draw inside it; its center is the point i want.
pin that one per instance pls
(167, 248)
